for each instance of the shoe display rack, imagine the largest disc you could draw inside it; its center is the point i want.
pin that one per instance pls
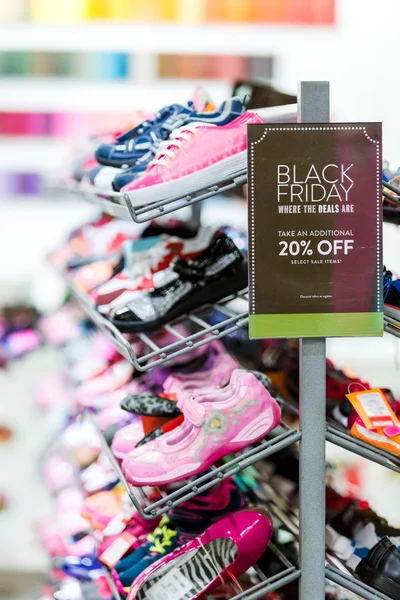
(233, 465)
(120, 205)
(391, 326)
(314, 431)
(335, 570)
(338, 435)
(262, 584)
(55, 446)
(203, 331)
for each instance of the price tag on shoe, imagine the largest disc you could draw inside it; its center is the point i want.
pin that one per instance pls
(117, 549)
(374, 409)
(116, 525)
(172, 585)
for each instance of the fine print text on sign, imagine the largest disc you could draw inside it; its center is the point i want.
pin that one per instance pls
(315, 230)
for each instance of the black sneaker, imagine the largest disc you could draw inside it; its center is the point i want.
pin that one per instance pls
(214, 274)
(381, 568)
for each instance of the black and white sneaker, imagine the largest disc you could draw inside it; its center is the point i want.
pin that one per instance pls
(214, 274)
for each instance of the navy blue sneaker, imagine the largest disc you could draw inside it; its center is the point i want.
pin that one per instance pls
(128, 175)
(391, 295)
(102, 177)
(137, 142)
(134, 143)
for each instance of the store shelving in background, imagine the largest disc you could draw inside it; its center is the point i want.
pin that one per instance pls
(286, 11)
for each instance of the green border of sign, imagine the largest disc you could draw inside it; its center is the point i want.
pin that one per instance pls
(314, 325)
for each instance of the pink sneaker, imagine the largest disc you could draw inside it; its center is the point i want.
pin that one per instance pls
(58, 473)
(83, 546)
(110, 399)
(215, 425)
(225, 550)
(217, 377)
(50, 537)
(126, 438)
(195, 156)
(117, 375)
(100, 355)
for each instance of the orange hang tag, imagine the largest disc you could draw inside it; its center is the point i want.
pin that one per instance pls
(374, 409)
(117, 549)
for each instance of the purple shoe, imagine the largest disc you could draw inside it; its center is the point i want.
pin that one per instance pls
(216, 376)
(223, 552)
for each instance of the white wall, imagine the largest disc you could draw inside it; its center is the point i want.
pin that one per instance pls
(359, 56)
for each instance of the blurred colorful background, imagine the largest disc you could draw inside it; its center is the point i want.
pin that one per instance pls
(43, 77)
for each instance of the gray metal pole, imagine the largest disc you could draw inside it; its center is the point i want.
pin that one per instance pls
(313, 107)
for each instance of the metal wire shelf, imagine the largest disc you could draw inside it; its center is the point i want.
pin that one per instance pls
(270, 584)
(120, 205)
(154, 355)
(341, 576)
(111, 583)
(190, 488)
(391, 326)
(339, 436)
(353, 585)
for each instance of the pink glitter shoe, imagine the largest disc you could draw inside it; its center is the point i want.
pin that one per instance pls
(215, 425)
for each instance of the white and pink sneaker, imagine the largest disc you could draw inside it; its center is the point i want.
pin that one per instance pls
(117, 375)
(118, 291)
(126, 438)
(196, 156)
(215, 425)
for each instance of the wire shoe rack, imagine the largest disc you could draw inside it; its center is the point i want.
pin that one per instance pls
(261, 584)
(154, 355)
(118, 204)
(313, 108)
(149, 509)
(336, 571)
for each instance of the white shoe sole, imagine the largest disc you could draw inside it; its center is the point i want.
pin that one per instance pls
(224, 170)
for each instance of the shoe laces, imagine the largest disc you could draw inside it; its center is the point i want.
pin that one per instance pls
(146, 125)
(168, 149)
(160, 542)
(158, 531)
